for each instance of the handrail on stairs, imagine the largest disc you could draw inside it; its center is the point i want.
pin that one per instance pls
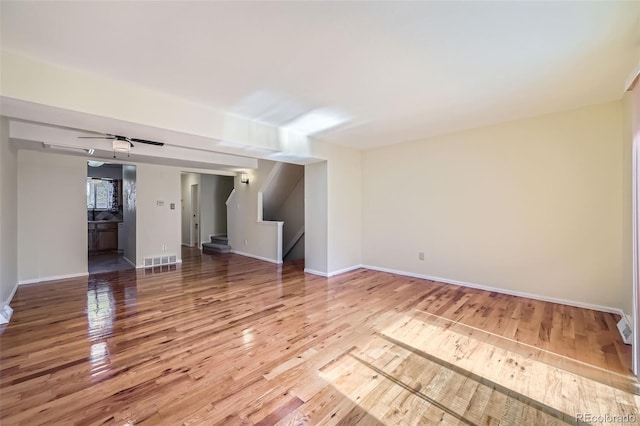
(292, 243)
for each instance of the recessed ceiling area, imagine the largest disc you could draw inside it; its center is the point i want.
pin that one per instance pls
(394, 71)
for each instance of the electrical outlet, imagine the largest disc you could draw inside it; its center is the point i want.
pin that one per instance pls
(421, 255)
(246, 242)
(164, 247)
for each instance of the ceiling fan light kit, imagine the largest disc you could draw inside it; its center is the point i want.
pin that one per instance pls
(121, 146)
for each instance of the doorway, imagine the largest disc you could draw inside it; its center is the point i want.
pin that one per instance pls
(110, 226)
(195, 217)
(204, 199)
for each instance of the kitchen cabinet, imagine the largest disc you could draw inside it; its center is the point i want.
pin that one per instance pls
(103, 236)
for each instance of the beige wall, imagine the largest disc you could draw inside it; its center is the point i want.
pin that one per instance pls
(247, 235)
(343, 186)
(74, 90)
(52, 222)
(52, 216)
(157, 225)
(345, 213)
(8, 215)
(316, 248)
(533, 206)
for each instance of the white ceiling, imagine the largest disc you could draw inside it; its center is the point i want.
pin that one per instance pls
(398, 70)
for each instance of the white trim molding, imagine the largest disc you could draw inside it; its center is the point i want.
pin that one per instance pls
(577, 304)
(560, 301)
(332, 273)
(314, 272)
(13, 293)
(266, 259)
(130, 262)
(635, 214)
(53, 278)
(344, 270)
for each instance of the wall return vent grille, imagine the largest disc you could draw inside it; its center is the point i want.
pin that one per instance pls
(160, 260)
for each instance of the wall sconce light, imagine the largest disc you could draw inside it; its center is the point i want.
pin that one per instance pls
(244, 178)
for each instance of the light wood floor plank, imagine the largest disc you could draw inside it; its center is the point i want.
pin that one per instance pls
(225, 339)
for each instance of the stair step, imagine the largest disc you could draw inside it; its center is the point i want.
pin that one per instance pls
(216, 248)
(220, 239)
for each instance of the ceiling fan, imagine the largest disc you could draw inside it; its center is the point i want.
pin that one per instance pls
(122, 143)
(109, 136)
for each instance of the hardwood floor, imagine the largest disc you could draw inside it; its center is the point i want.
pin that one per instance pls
(225, 339)
(107, 262)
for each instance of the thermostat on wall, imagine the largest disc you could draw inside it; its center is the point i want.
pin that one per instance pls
(160, 203)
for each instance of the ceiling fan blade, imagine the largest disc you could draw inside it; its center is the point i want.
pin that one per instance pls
(96, 137)
(148, 142)
(109, 136)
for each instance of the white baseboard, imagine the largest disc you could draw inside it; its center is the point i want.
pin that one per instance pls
(344, 270)
(53, 278)
(13, 293)
(332, 273)
(129, 262)
(313, 272)
(501, 290)
(257, 257)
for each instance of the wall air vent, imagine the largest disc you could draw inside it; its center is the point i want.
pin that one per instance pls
(160, 260)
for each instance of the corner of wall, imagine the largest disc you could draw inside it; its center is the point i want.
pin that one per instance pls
(8, 218)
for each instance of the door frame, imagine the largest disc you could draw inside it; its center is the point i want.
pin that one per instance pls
(194, 217)
(635, 207)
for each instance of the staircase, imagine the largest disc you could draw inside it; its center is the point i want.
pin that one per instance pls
(218, 244)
